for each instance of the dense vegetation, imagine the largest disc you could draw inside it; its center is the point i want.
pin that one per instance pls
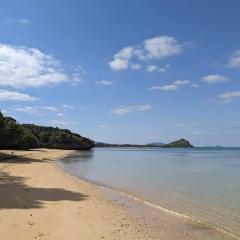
(26, 136)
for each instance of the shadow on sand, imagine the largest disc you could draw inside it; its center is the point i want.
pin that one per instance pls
(15, 194)
(10, 158)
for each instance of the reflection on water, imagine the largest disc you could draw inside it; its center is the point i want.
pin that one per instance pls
(202, 183)
(79, 156)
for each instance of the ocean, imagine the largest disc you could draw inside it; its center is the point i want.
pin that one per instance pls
(202, 184)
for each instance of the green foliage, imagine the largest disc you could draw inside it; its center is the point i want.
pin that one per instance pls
(26, 136)
(181, 143)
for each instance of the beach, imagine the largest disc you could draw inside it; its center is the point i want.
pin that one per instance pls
(41, 201)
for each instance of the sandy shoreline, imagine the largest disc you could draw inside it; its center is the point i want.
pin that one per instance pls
(41, 201)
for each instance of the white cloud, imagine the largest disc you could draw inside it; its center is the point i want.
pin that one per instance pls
(214, 78)
(24, 21)
(121, 59)
(119, 64)
(60, 115)
(195, 85)
(151, 49)
(49, 108)
(151, 68)
(162, 46)
(122, 110)
(30, 110)
(197, 132)
(181, 82)
(57, 122)
(170, 87)
(154, 68)
(76, 78)
(38, 110)
(6, 95)
(234, 60)
(135, 66)
(22, 67)
(126, 53)
(229, 96)
(104, 82)
(67, 106)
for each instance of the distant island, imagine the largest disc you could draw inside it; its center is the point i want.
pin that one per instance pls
(26, 136)
(181, 143)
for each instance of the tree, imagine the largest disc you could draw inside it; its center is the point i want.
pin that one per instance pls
(25, 136)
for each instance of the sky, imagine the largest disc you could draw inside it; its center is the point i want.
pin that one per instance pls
(124, 71)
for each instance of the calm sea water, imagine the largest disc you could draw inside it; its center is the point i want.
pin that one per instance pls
(201, 183)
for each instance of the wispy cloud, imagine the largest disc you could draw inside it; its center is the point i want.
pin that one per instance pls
(22, 67)
(61, 114)
(104, 126)
(229, 96)
(214, 78)
(67, 106)
(171, 87)
(234, 61)
(6, 95)
(104, 82)
(154, 68)
(197, 132)
(57, 122)
(24, 21)
(194, 85)
(151, 49)
(122, 110)
(136, 66)
(181, 82)
(40, 110)
(29, 110)
(49, 108)
(37, 110)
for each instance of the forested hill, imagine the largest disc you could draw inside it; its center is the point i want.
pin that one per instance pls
(181, 143)
(26, 136)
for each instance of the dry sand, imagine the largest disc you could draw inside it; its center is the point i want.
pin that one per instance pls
(40, 201)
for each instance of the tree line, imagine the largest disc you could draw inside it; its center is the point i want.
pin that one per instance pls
(26, 136)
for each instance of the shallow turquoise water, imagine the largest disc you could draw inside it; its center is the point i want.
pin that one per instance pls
(201, 183)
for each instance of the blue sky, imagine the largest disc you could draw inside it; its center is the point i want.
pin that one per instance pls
(124, 71)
